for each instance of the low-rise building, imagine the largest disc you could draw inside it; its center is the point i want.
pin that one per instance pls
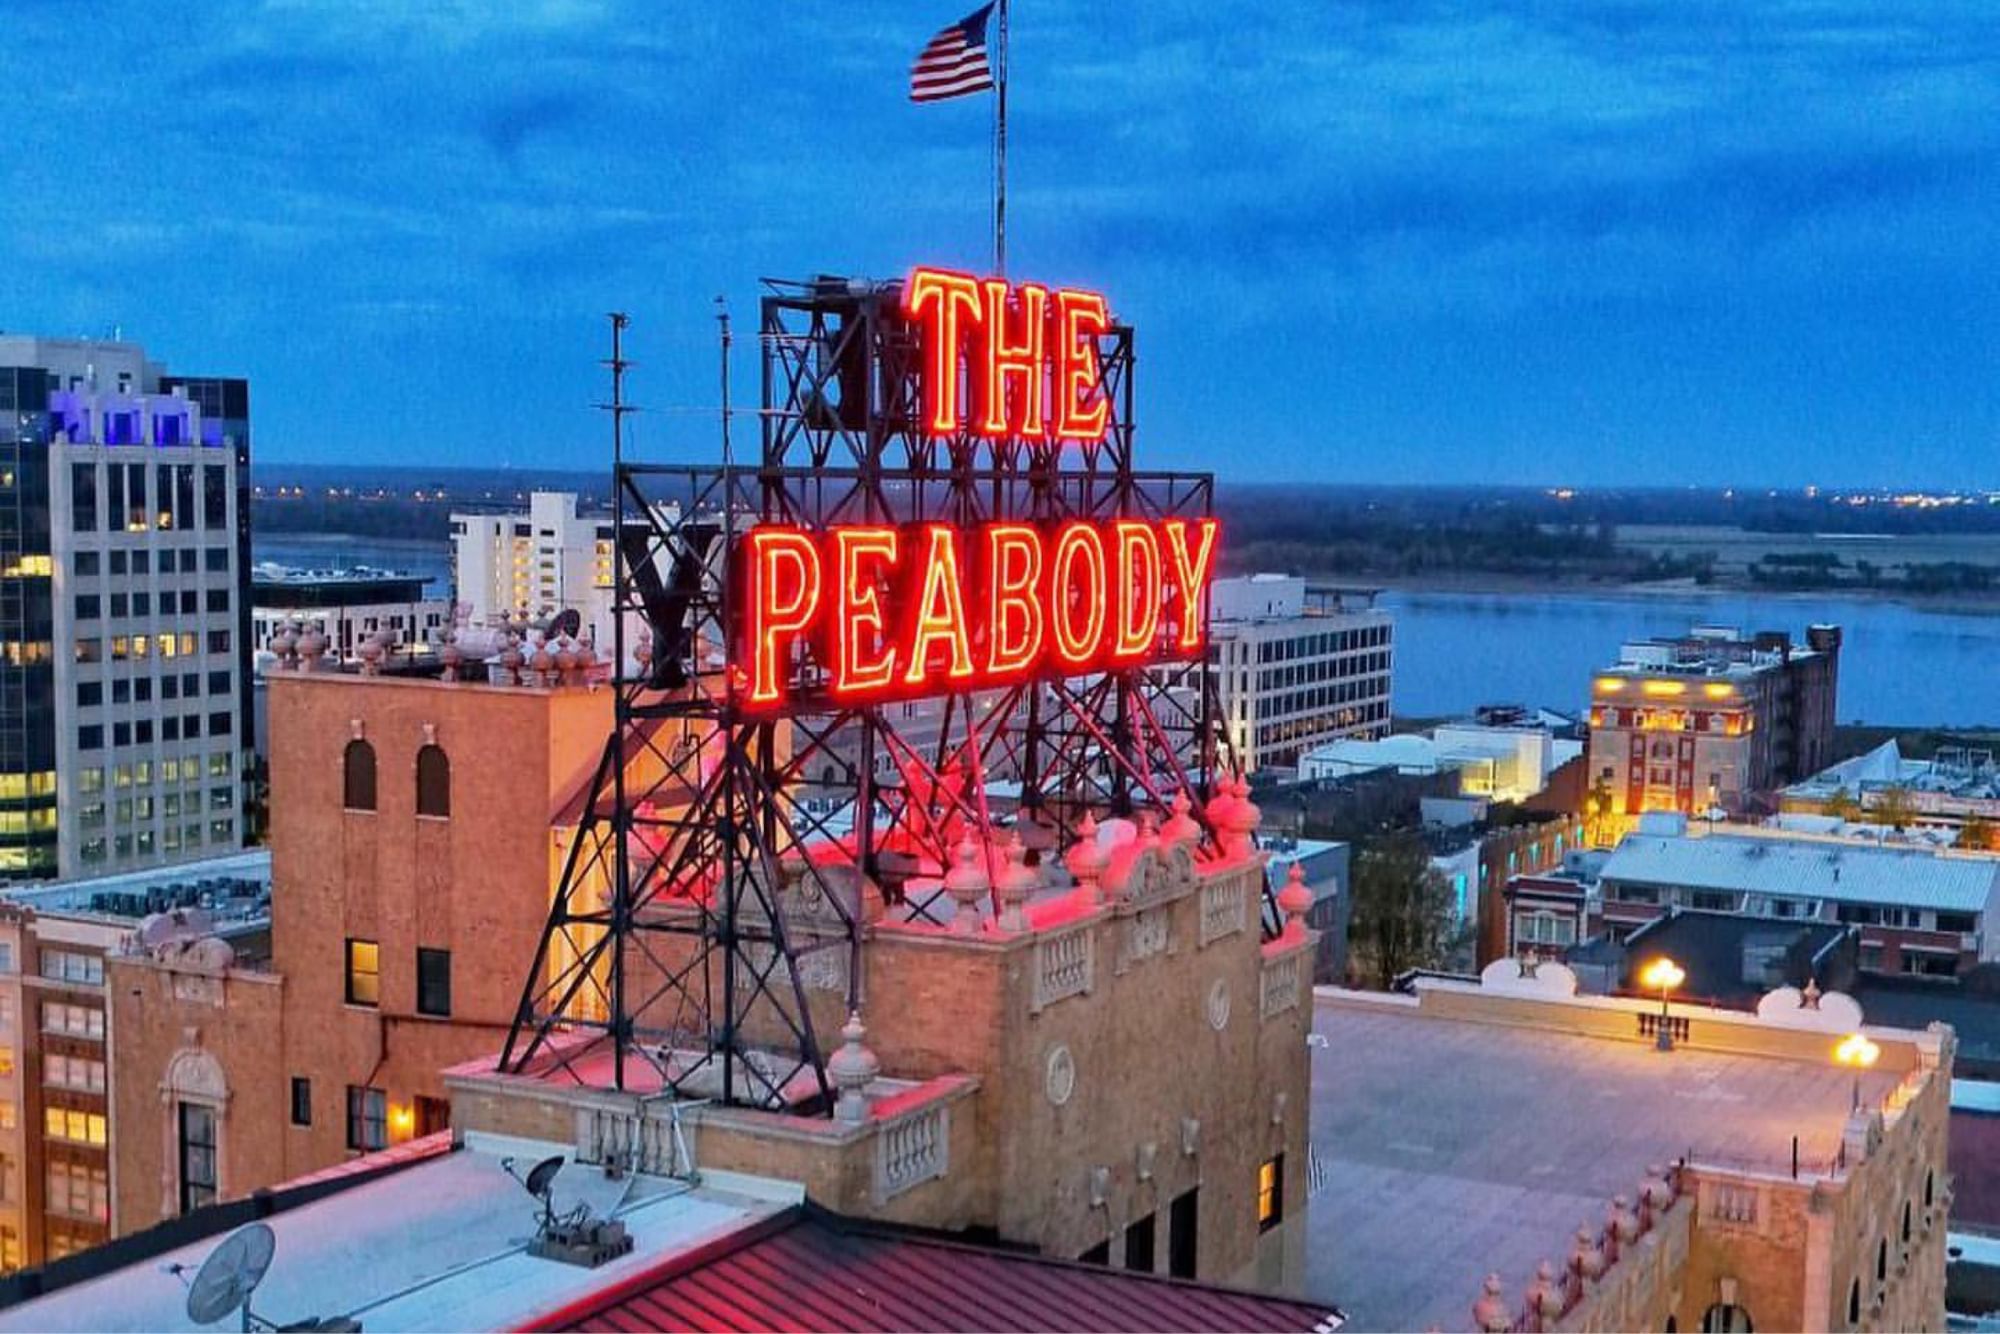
(345, 607)
(1957, 786)
(1502, 761)
(1298, 665)
(60, 1136)
(1712, 721)
(1921, 911)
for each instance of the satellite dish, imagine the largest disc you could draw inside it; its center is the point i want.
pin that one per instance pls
(541, 1177)
(230, 1274)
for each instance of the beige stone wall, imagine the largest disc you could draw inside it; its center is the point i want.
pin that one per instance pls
(157, 1015)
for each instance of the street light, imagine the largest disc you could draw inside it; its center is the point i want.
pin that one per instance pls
(1663, 975)
(1858, 1054)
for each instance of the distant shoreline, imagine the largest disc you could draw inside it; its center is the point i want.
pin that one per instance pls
(1476, 582)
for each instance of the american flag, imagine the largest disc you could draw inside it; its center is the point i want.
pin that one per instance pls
(954, 64)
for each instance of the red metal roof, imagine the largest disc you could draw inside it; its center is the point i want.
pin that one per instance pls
(806, 1270)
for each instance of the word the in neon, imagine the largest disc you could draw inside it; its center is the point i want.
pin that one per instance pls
(1032, 371)
(897, 611)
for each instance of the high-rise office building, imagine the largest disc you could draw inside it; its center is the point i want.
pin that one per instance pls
(1299, 666)
(124, 609)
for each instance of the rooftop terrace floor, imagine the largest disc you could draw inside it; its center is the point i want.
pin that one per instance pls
(1452, 1147)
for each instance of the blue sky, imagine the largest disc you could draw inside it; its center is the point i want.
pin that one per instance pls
(1660, 241)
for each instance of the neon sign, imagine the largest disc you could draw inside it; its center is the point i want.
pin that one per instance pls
(886, 611)
(1032, 370)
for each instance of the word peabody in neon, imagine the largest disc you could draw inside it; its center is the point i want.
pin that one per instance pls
(902, 611)
(1032, 369)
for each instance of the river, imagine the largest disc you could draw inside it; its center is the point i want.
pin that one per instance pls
(1900, 664)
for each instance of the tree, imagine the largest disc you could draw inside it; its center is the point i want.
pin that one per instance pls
(1895, 809)
(1403, 915)
(1979, 835)
(1841, 805)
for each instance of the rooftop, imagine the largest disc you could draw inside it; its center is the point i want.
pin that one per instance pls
(234, 891)
(439, 1245)
(1843, 872)
(808, 1269)
(1954, 772)
(1457, 1146)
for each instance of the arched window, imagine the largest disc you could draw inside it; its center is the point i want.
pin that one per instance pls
(1673, 1325)
(1930, 1187)
(1906, 1222)
(1854, 1304)
(358, 777)
(1882, 1261)
(433, 781)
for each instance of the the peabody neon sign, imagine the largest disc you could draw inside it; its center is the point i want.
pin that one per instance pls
(902, 611)
(1031, 366)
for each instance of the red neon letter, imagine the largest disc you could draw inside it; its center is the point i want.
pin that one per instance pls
(1007, 360)
(933, 298)
(1082, 411)
(1014, 615)
(1193, 568)
(1139, 586)
(1076, 583)
(940, 608)
(863, 663)
(783, 600)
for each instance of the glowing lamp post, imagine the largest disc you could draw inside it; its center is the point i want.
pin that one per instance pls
(1858, 1054)
(1663, 975)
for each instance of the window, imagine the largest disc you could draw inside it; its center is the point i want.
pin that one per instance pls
(433, 782)
(89, 694)
(358, 792)
(74, 1021)
(1139, 1244)
(74, 1127)
(90, 737)
(1183, 1243)
(302, 1101)
(367, 1119)
(69, 966)
(79, 1191)
(1271, 1193)
(1882, 1261)
(198, 1177)
(75, 1073)
(89, 607)
(364, 972)
(218, 599)
(434, 982)
(215, 558)
(83, 498)
(1853, 1304)
(1906, 1222)
(1962, 922)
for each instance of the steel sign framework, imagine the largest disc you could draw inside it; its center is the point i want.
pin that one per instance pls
(726, 857)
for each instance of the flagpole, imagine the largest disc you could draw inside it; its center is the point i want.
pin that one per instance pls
(1000, 155)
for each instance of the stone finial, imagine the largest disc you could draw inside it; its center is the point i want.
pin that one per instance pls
(1149, 830)
(1086, 861)
(1238, 817)
(1490, 1312)
(852, 1069)
(451, 655)
(1247, 811)
(1221, 808)
(1587, 1256)
(566, 660)
(1295, 900)
(543, 663)
(1018, 881)
(286, 645)
(369, 650)
(586, 662)
(1809, 998)
(1656, 1192)
(511, 660)
(312, 644)
(1180, 826)
(1545, 1294)
(967, 885)
(1623, 1222)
